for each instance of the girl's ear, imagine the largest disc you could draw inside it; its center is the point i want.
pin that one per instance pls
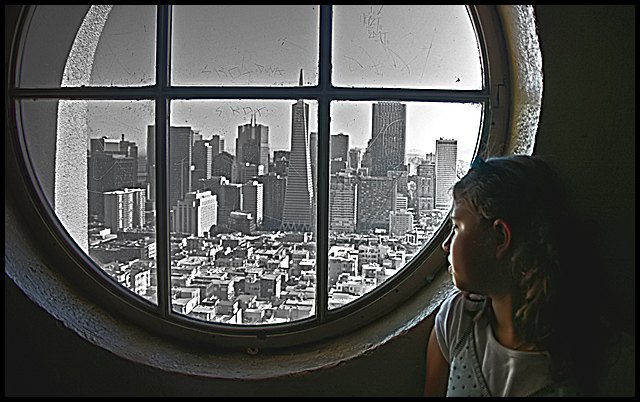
(503, 232)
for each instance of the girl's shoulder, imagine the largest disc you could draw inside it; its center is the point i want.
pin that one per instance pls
(462, 304)
(456, 314)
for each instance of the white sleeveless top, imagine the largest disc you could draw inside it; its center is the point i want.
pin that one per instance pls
(479, 365)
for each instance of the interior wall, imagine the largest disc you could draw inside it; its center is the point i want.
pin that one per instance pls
(587, 130)
(587, 127)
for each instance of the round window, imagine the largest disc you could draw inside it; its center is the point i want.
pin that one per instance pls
(273, 171)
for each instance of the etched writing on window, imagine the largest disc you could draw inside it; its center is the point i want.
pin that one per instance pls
(409, 46)
(244, 45)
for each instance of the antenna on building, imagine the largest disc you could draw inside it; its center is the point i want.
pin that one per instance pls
(300, 82)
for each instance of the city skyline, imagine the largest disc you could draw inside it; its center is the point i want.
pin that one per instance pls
(379, 46)
(129, 255)
(460, 121)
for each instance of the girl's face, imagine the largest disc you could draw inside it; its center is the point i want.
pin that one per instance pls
(472, 255)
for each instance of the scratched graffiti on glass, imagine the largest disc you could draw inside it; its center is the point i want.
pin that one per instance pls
(409, 46)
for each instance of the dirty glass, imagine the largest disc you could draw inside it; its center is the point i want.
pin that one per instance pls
(405, 46)
(235, 45)
(107, 46)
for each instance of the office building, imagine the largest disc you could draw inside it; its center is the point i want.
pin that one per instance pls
(180, 162)
(252, 144)
(229, 200)
(338, 153)
(273, 196)
(343, 203)
(376, 198)
(224, 165)
(446, 157)
(202, 163)
(252, 200)
(112, 165)
(196, 213)
(386, 149)
(400, 222)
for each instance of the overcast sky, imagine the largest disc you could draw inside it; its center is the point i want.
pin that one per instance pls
(408, 46)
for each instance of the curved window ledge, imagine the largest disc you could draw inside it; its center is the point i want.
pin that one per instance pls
(30, 265)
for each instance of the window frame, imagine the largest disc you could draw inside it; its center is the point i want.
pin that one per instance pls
(326, 323)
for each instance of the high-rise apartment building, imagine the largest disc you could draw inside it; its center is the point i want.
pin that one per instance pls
(124, 209)
(446, 157)
(386, 148)
(298, 214)
(196, 213)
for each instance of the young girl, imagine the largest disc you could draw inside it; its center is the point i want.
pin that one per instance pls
(512, 329)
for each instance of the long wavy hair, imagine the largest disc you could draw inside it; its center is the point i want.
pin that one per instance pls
(545, 263)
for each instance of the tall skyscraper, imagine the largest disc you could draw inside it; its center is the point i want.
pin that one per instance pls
(338, 152)
(387, 145)
(446, 157)
(298, 214)
(252, 144)
(180, 162)
(202, 161)
(253, 200)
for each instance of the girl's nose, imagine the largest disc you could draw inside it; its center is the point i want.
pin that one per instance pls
(447, 243)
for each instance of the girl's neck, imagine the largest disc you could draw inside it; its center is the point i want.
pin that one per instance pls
(502, 323)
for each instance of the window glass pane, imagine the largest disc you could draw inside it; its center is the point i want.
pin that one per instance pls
(90, 46)
(244, 45)
(242, 197)
(409, 46)
(392, 166)
(89, 158)
(126, 53)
